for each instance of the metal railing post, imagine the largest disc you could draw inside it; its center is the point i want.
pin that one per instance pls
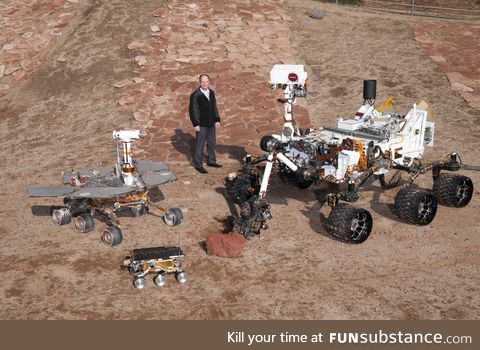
(413, 7)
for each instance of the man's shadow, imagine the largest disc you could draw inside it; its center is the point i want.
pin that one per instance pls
(184, 143)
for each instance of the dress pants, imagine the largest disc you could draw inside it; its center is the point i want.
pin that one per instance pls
(206, 134)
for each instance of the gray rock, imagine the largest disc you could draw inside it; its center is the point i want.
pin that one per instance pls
(317, 14)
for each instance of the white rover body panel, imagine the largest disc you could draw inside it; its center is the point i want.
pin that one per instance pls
(402, 138)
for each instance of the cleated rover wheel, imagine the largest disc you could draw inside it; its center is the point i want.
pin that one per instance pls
(416, 207)
(61, 216)
(112, 236)
(173, 216)
(84, 223)
(350, 224)
(453, 190)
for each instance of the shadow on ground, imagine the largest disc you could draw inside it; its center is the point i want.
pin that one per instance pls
(184, 143)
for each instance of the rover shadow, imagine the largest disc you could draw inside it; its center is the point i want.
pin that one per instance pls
(279, 192)
(44, 210)
(184, 143)
(315, 212)
(228, 220)
(156, 195)
(382, 208)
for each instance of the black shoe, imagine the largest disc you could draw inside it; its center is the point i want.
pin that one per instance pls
(201, 170)
(214, 165)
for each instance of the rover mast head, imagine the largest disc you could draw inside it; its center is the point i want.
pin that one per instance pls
(292, 79)
(124, 164)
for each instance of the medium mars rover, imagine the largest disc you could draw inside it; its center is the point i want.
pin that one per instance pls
(108, 190)
(374, 142)
(160, 261)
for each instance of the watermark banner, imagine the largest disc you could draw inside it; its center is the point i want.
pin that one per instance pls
(235, 335)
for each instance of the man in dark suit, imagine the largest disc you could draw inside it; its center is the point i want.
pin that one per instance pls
(205, 119)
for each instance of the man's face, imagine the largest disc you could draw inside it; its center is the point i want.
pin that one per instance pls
(204, 82)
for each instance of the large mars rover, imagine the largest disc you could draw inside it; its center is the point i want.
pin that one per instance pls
(108, 190)
(375, 141)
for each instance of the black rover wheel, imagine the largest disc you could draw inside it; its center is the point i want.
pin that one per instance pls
(173, 216)
(453, 190)
(349, 224)
(112, 236)
(416, 207)
(84, 223)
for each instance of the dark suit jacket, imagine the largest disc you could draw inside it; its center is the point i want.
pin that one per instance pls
(203, 112)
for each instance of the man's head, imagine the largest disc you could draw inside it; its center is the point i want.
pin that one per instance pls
(204, 81)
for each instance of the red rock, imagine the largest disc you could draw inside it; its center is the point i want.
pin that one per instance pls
(230, 245)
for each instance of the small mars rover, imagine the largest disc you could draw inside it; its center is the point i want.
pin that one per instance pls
(375, 141)
(107, 190)
(160, 261)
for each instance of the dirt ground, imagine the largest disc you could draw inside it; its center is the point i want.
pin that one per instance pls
(63, 117)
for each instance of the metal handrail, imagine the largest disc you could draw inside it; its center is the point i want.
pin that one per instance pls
(421, 6)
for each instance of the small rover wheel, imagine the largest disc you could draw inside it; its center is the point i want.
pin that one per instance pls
(182, 277)
(84, 223)
(416, 207)
(139, 282)
(112, 236)
(160, 280)
(453, 190)
(61, 216)
(173, 216)
(350, 224)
